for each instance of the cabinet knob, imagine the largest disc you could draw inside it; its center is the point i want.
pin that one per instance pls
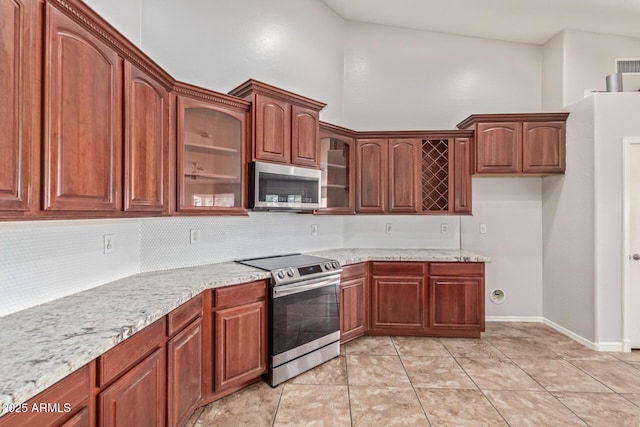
(636, 257)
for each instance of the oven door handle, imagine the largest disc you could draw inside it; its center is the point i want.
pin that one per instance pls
(294, 288)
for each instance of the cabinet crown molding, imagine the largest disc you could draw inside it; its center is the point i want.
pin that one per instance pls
(512, 117)
(197, 92)
(254, 86)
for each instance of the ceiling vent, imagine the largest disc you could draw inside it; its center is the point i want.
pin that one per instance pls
(628, 66)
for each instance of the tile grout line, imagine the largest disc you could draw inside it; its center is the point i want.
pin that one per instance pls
(346, 373)
(275, 413)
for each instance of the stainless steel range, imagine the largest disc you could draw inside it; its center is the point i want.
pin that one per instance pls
(304, 312)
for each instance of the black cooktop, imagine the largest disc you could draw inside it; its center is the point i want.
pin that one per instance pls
(283, 261)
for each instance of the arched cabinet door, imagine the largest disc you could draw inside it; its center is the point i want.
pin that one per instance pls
(305, 137)
(272, 130)
(543, 147)
(498, 147)
(82, 119)
(404, 175)
(17, 113)
(371, 175)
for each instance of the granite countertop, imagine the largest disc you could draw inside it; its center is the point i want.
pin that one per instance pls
(41, 345)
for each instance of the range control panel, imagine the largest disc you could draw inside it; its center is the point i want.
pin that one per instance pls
(284, 276)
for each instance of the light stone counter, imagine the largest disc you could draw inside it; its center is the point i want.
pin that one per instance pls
(41, 345)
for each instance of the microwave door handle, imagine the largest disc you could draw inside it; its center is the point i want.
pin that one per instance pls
(281, 291)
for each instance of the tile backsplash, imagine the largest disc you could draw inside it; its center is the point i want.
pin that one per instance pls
(44, 260)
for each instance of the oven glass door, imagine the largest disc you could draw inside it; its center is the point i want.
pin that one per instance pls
(300, 317)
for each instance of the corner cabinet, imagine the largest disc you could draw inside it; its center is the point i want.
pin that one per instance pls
(285, 125)
(515, 144)
(211, 136)
(337, 163)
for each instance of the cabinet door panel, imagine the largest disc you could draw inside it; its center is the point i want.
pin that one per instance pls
(146, 120)
(397, 303)
(404, 175)
(184, 373)
(499, 148)
(81, 419)
(82, 144)
(462, 175)
(457, 302)
(543, 146)
(272, 130)
(138, 398)
(240, 344)
(371, 175)
(15, 115)
(305, 139)
(353, 309)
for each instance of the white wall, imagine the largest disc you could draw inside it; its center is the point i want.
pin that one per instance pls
(616, 116)
(295, 45)
(512, 211)
(553, 74)
(590, 57)
(369, 231)
(124, 15)
(406, 79)
(569, 230)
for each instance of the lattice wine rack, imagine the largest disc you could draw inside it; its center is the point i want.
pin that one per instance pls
(435, 175)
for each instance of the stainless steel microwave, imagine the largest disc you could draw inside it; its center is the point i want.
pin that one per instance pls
(283, 187)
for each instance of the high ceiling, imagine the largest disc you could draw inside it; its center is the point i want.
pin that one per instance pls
(526, 21)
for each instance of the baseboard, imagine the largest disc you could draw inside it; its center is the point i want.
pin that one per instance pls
(513, 319)
(599, 346)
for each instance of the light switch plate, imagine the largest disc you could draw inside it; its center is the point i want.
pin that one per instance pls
(194, 236)
(107, 240)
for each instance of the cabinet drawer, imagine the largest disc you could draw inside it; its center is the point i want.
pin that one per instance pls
(126, 354)
(240, 293)
(397, 268)
(456, 268)
(353, 270)
(183, 315)
(73, 390)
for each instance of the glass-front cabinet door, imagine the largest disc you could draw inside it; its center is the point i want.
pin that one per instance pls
(338, 169)
(210, 158)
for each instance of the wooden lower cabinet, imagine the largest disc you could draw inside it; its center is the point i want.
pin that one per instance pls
(456, 300)
(398, 297)
(66, 403)
(138, 397)
(354, 302)
(240, 344)
(184, 373)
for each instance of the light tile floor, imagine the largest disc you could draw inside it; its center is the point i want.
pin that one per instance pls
(517, 374)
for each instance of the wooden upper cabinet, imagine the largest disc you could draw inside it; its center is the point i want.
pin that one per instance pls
(305, 136)
(285, 125)
(338, 166)
(18, 108)
(146, 141)
(83, 131)
(371, 175)
(404, 175)
(462, 175)
(543, 147)
(272, 129)
(211, 140)
(509, 144)
(498, 148)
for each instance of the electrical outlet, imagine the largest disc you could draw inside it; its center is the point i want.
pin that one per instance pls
(194, 236)
(483, 228)
(107, 242)
(387, 228)
(314, 229)
(444, 228)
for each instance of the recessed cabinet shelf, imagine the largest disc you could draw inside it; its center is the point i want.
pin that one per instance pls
(215, 177)
(203, 148)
